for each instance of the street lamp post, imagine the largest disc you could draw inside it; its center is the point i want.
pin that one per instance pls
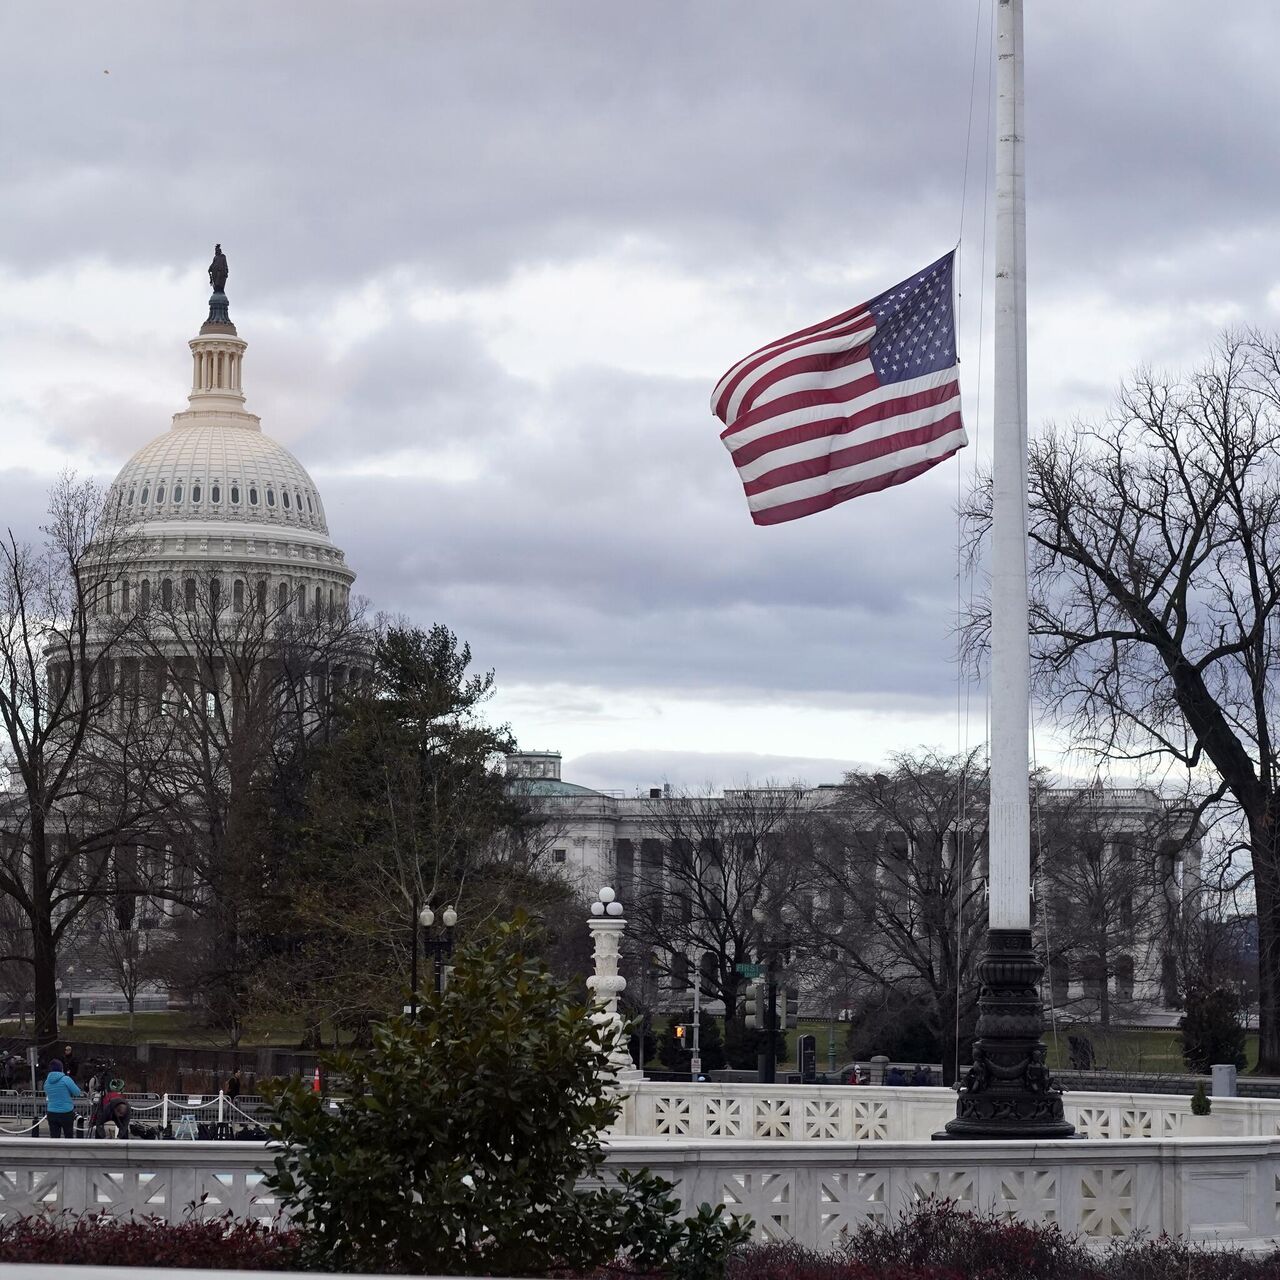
(440, 947)
(768, 1068)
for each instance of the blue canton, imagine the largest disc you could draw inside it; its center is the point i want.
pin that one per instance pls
(915, 325)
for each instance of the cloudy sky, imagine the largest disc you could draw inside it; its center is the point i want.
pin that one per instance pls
(490, 259)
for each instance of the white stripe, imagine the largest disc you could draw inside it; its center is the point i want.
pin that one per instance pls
(814, 380)
(815, 346)
(817, 412)
(807, 449)
(833, 323)
(862, 471)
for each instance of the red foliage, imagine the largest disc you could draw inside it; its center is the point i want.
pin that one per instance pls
(91, 1240)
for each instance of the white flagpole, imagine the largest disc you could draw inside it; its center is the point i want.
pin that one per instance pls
(1010, 829)
(1008, 1092)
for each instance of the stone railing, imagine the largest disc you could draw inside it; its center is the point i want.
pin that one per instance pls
(1204, 1189)
(866, 1113)
(165, 1180)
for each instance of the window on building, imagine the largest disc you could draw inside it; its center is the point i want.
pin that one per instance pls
(319, 602)
(215, 493)
(235, 494)
(177, 492)
(271, 497)
(129, 499)
(159, 494)
(237, 595)
(195, 491)
(262, 595)
(124, 595)
(1093, 974)
(215, 594)
(146, 493)
(107, 594)
(166, 594)
(297, 500)
(144, 594)
(302, 602)
(309, 510)
(1126, 909)
(284, 497)
(282, 597)
(559, 855)
(1124, 978)
(253, 495)
(189, 595)
(679, 971)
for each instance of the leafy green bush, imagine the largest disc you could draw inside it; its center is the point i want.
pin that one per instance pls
(1212, 1028)
(1200, 1104)
(464, 1136)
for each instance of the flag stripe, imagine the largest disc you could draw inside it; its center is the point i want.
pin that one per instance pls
(828, 464)
(855, 404)
(825, 501)
(726, 406)
(826, 439)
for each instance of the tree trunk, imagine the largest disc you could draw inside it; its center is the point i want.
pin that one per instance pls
(45, 972)
(1262, 840)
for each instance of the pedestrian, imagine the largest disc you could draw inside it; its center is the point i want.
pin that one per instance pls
(60, 1094)
(112, 1107)
(232, 1089)
(70, 1063)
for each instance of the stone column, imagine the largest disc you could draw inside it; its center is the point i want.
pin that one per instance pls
(606, 925)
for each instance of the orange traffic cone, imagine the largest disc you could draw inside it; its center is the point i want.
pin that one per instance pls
(315, 1082)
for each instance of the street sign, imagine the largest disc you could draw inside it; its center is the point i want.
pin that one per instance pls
(749, 970)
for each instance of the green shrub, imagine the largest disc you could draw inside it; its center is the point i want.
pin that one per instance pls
(464, 1136)
(1212, 1028)
(1200, 1104)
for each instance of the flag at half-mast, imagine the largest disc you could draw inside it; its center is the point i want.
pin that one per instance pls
(860, 402)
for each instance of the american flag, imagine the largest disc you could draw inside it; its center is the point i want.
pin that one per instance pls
(860, 402)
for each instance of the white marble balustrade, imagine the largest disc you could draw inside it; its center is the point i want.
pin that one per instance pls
(150, 1179)
(805, 1113)
(1208, 1190)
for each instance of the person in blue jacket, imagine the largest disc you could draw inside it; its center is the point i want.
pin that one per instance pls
(60, 1092)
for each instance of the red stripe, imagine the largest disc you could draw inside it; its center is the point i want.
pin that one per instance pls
(852, 455)
(806, 399)
(841, 424)
(823, 362)
(757, 358)
(824, 501)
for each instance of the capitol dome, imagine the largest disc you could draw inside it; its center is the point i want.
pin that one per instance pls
(214, 493)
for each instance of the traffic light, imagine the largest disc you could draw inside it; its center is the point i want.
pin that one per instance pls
(757, 1014)
(683, 1039)
(792, 1018)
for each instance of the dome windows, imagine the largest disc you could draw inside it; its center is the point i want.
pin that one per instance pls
(253, 495)
(144, 594)
(235, 494)
(195, 491)
(271, 496)
(215, 493)
(166, 595)
(160, 493)
(284, 496)
(237, 595)
(177, 491)
(129, 499)
(146, 493)
(297, 498)
(309, 510)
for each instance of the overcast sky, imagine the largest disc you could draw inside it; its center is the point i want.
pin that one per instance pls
(491, 258)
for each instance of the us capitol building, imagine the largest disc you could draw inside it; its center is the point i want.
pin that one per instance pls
(215, 497)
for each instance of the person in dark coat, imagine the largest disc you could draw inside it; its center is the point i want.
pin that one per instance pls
(232, 1089)
(70, 1063)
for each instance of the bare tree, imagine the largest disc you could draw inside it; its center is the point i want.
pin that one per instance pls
(712, 861)
(240, 677)
(123, 952)
(1111, 882)
(1155, 541)
(899, 867)
(75, 758)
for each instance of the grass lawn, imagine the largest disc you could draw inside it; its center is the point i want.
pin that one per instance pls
(175, 1028)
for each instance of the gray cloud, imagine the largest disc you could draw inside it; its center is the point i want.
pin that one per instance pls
(588, 527)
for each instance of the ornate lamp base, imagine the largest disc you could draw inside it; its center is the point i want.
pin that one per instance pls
(1008, 1093)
